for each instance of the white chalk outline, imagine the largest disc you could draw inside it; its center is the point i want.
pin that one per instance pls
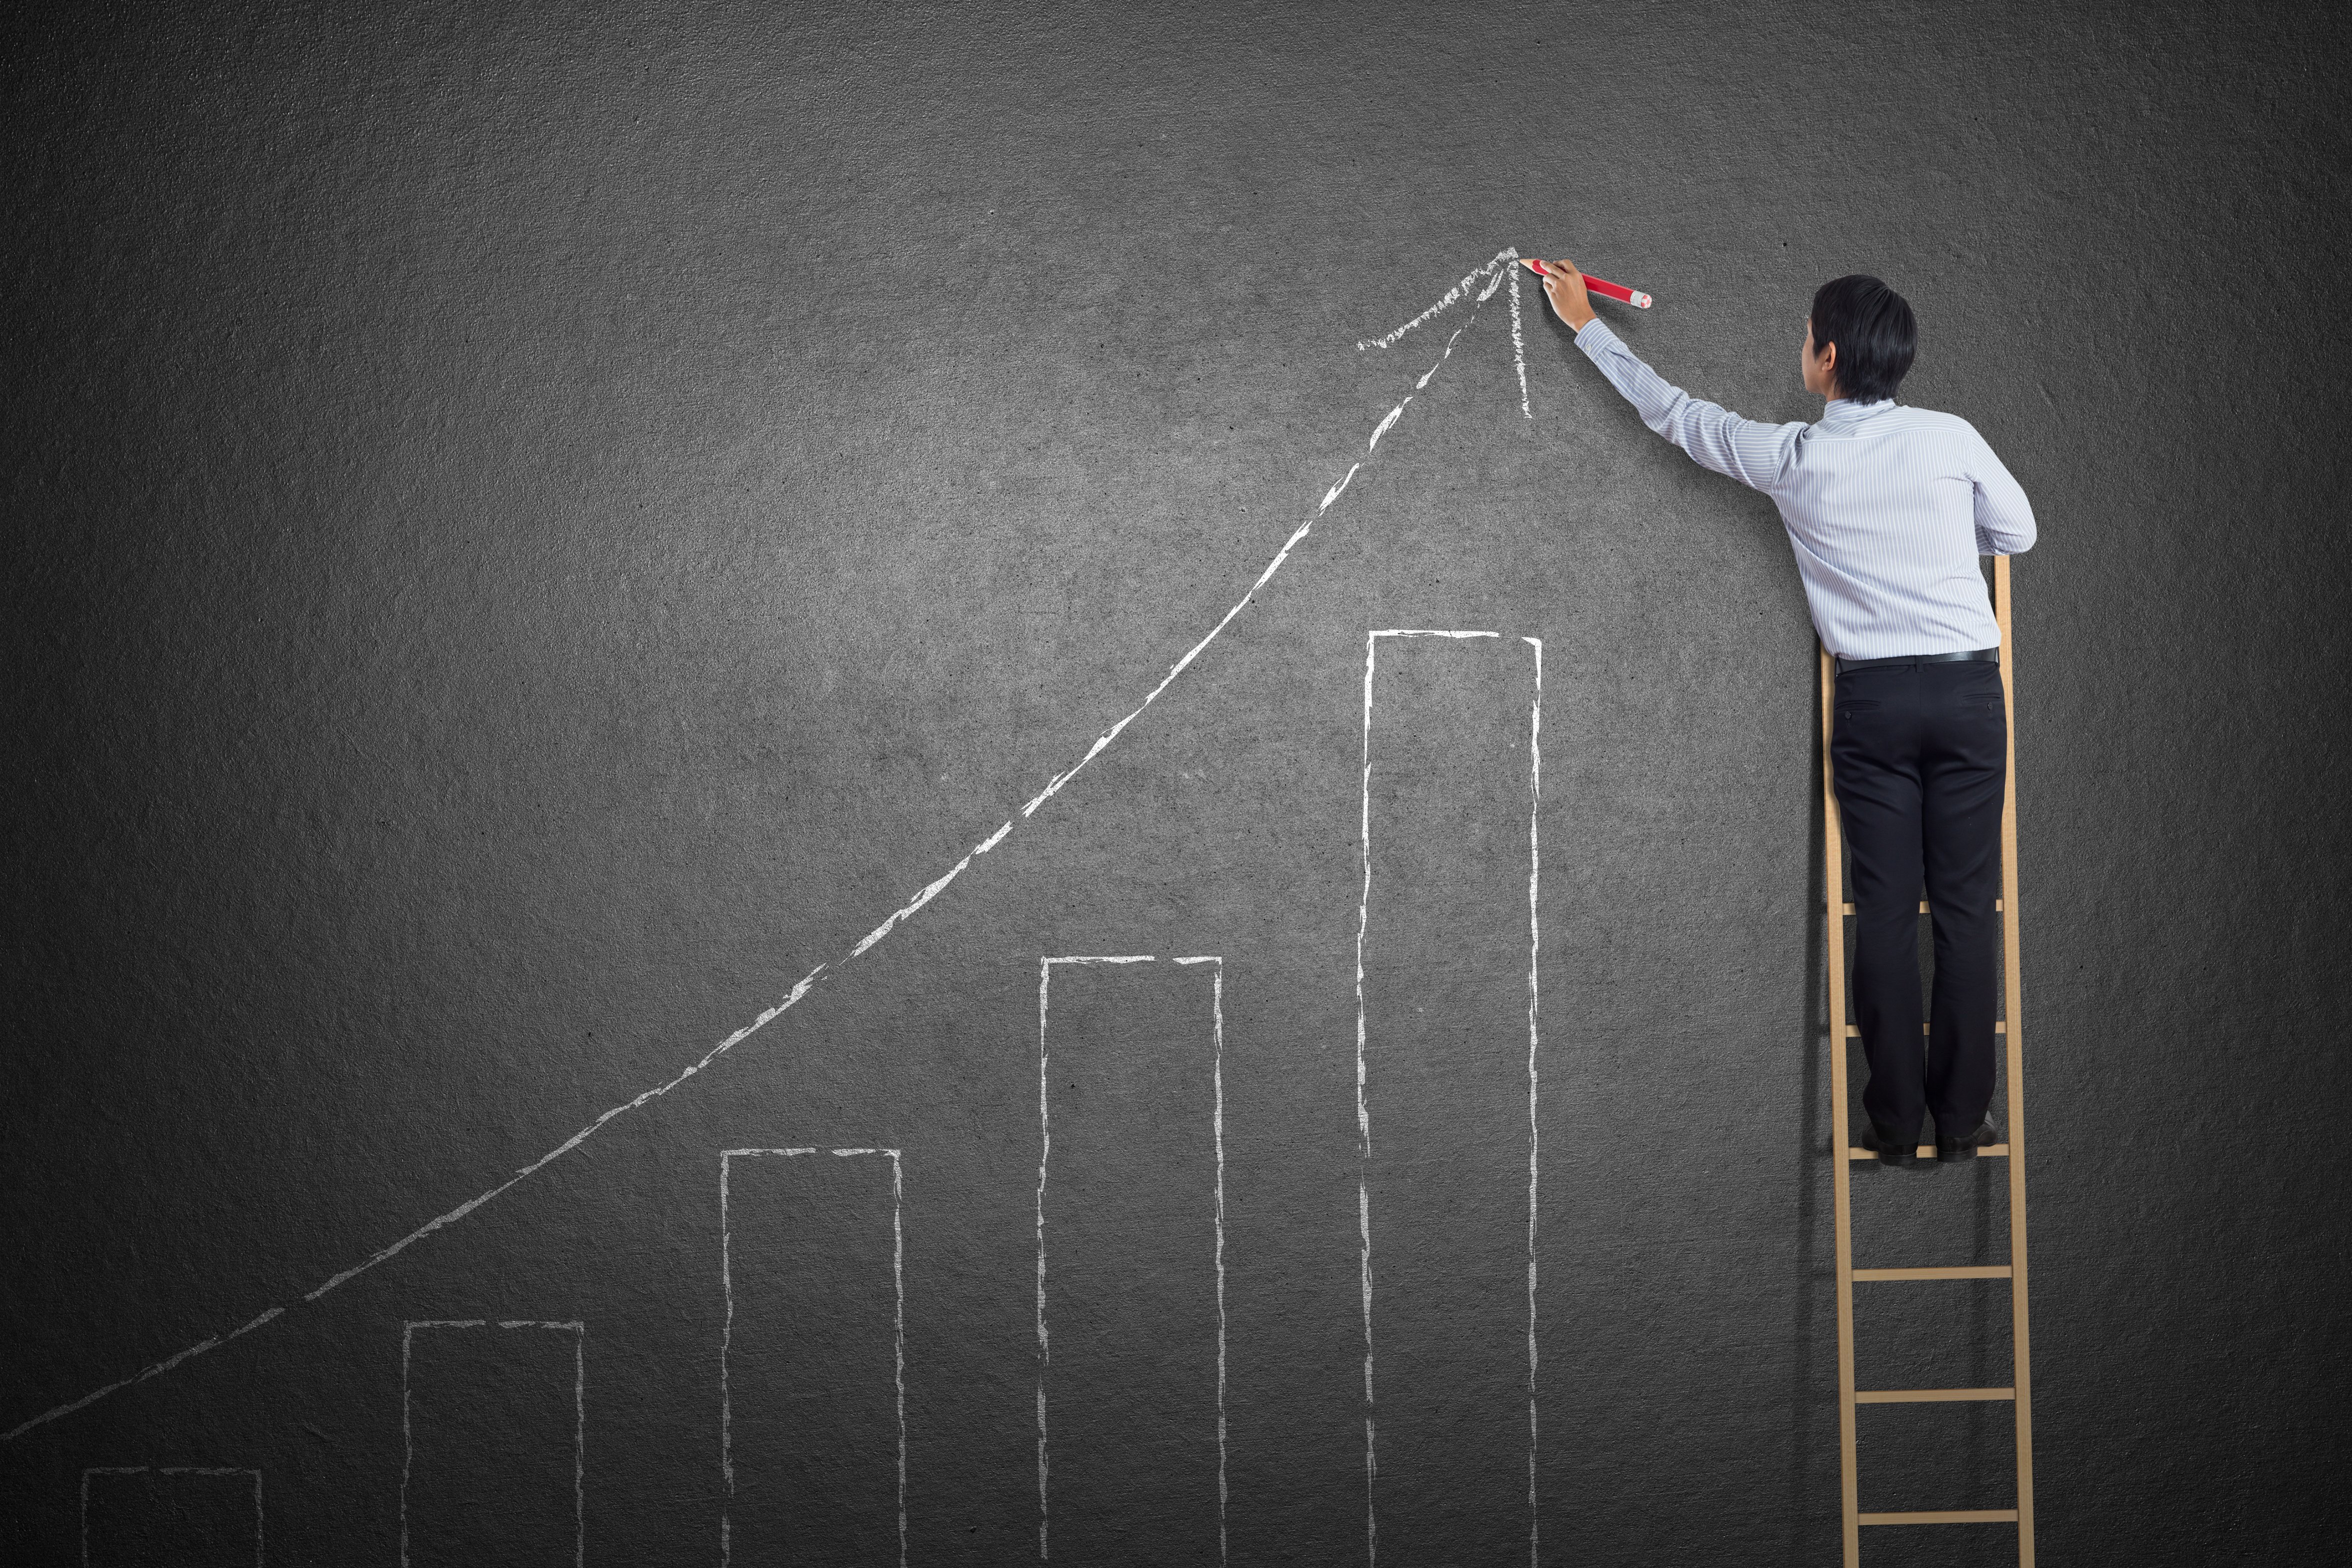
(1044, 1152)
(1363, 1115)
(258, 1549)
(803, 986)
(579, 1331)
(1217, 1138)
(1535, 1039)
(727, 1332)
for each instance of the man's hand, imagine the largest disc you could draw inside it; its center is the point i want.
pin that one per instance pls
(1564, 286)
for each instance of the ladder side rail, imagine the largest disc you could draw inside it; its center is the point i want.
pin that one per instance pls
(2012, 1007)
(1833, 907)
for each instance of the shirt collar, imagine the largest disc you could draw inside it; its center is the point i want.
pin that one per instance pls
(1842, 408)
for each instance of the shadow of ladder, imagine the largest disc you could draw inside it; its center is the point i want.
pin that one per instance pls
(2020, 1392)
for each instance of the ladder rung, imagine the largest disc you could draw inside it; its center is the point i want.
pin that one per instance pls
(1943, 1516)
(1978, 1271)
(1848, 909)
(1930, 1396)
(1927, 1152)
(2000, 1026)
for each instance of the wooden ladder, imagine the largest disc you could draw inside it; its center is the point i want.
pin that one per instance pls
(2020, 1392)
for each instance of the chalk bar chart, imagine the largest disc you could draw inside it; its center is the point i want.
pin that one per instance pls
(812, 1425)
(1447, 1077)
(1129, 1254)
(1131, 1395)
(493, 1420)
(133, 1516)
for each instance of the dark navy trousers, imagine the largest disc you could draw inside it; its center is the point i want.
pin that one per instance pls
(1918, 754)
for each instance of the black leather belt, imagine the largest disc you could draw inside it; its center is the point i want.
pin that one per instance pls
(1844, 664)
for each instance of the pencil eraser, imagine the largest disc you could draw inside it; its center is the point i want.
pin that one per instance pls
(1641, 300)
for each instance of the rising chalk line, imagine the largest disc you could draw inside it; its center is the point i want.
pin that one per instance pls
(1490, 271)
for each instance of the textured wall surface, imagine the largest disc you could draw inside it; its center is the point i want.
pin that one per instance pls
(530, 528)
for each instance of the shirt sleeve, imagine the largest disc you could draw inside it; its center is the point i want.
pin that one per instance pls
(2004, 516)
(1755, 454)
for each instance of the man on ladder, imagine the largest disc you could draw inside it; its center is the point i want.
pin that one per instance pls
(1887, 509)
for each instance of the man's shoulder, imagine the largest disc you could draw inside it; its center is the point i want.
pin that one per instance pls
(1890, 418)
(1931, 422)
(1899, 426)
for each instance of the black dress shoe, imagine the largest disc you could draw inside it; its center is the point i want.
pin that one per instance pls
(1901, 1154)
(1949, 1151)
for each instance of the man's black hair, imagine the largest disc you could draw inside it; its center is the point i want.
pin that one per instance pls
(1875, 331)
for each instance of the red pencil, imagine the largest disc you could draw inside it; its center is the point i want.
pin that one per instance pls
(1601, 286)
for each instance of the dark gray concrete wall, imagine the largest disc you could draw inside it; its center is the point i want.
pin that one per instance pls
(530, 528)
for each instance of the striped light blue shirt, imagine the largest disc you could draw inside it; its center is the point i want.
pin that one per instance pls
(1887, 507)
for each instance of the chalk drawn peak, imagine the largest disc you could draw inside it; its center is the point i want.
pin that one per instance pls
(1489, 270)
(1498, 271)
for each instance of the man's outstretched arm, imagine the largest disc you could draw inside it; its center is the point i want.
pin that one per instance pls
(1753, 452)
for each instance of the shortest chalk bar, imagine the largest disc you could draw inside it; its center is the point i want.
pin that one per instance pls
(202, 1516)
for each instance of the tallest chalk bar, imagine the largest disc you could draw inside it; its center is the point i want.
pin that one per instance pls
(1447, 1078)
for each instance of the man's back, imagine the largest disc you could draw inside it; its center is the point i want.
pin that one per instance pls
(1887, 507)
